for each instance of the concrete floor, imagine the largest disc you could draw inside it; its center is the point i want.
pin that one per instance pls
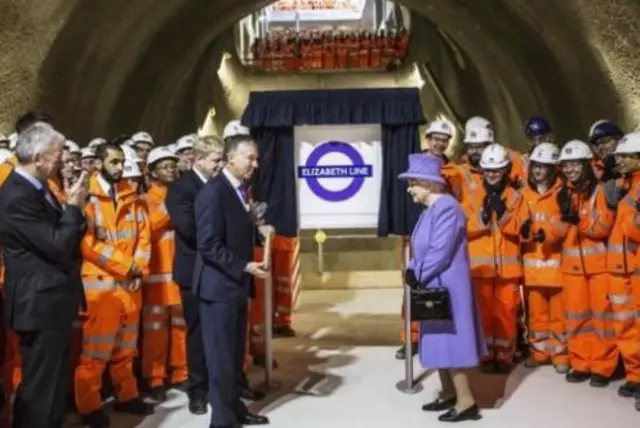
(340, 372)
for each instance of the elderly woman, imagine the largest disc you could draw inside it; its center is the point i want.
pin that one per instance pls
(440, 259)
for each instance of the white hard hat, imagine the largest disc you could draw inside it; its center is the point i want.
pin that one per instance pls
(478, 136)
(72, 147)
(477, 122)
(160, 153)
(142, 137)
(184, 143)
(494, 156)
(235, 129)
(439, 127)
(131, 169)
(546, 153)
(173, 147)
(87, 153)
(130, 153)
(96, 142)
(13, 140)
(5, 155)
(575, 150)
(629, 144)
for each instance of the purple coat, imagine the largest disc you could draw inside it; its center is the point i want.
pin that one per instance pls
(440, 257)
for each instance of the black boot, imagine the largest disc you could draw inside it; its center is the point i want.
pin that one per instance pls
(400, 354)
(575, 376)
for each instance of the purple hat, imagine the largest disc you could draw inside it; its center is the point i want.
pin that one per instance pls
(424, 167)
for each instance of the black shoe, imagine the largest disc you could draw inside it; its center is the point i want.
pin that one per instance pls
(283, 331)
(452, 415)
(96, 419)
(628, 389)
(439, 405)
(253, 419)
(158, 394)
(198, 406)
(599, 381)
(400, 352)
(260, 361)
(252, 394)
(134, 407)
(575, 376)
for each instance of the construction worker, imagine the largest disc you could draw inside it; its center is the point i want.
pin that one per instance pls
(542, 234)
(622, 261)
(537, 130)
(163, 324)
(71, 167)
(142, 142)
(603, 137)
(184, 151)
(88, 160)
(494, 248)
(116, 250)
(583, 207)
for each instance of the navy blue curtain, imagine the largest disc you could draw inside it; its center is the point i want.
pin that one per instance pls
(272, 116)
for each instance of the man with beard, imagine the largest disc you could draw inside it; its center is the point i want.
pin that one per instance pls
(116, 250)
(163, 325)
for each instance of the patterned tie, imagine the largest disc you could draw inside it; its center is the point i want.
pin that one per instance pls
(243, 193)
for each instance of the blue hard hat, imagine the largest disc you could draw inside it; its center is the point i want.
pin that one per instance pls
(604, 128)
(537, 126)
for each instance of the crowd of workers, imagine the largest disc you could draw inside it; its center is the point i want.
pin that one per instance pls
(140, 226)
(296, 5)
(553, 231)
(329, 50)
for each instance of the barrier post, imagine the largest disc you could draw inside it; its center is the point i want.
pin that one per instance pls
(408, 384)
(320, 238)
(269, 384)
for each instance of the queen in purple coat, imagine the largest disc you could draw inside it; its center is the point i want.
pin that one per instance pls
(440, 258)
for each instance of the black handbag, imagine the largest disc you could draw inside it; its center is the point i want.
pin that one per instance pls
(431, 304)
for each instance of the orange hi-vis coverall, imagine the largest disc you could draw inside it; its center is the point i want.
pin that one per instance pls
(624, 294)
(117, 237)
(541, 263)
(519, 167)
(590, 333)
(454, 177)
(256, 334)
(163, 325)
(496, 270)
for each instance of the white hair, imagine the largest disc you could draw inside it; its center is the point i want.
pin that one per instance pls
(36, 140)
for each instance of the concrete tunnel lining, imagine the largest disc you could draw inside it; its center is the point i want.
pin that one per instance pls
(105, 68)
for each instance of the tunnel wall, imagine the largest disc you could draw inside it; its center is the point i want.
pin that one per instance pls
(104, 68)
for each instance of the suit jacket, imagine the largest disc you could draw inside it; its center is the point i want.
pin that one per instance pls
(225, 244)
(180, 202)
(41, 247)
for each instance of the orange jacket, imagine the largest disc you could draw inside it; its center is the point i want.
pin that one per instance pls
(519, 167)
(541, 261)
(584, 248)
(159, 285)
(622, 248)
(118, 235)
(452, 174)
(5, 170)
(494, 249)
(470, 185)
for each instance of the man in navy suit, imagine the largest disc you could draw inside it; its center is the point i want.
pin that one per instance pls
(223, 280)
(180, 203)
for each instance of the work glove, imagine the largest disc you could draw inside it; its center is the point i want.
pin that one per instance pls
(498, 204)
(525, 229)
(570, 217)
(539, 236)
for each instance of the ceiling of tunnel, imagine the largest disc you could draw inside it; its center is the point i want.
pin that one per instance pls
(104, 68)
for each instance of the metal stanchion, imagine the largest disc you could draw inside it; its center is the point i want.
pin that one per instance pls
(320, 238)
(269, 383)
(408, 384)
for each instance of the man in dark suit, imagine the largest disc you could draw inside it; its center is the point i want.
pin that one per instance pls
(43, 290)
(223, 280)
(180, 202)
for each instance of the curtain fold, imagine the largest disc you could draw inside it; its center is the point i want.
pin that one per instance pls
(272, 117)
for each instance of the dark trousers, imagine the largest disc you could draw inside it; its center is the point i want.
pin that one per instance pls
(198, 385)
(224, 344)
(40, 398)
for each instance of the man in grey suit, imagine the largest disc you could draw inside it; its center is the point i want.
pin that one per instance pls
(223, 280)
